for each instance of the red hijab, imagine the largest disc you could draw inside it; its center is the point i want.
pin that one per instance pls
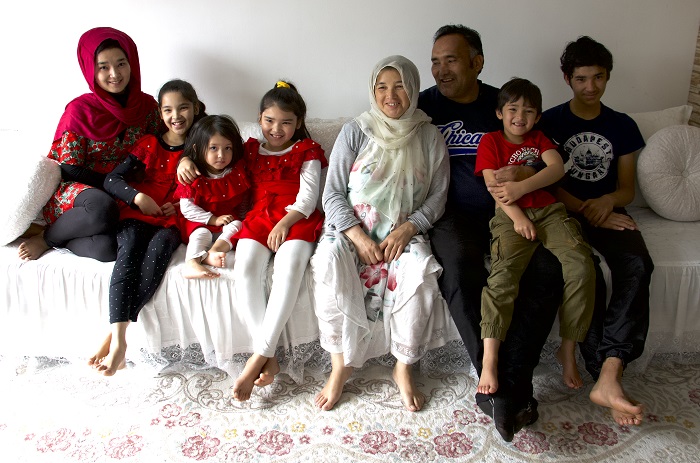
(97, 115)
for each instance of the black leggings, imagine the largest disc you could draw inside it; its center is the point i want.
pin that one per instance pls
(87, 229)
(143, 254)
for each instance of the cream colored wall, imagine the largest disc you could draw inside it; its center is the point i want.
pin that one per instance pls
(233, 51)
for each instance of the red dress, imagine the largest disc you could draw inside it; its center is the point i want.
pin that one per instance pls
(159, 182)
(220, 196)
(276, 182)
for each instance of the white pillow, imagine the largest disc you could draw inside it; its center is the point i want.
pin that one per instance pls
(669, 173)
(651, 122)
(32, 182)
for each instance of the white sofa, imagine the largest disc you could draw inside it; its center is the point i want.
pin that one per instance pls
(57, 306)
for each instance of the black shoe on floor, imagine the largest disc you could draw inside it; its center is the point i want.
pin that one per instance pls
(507, 419)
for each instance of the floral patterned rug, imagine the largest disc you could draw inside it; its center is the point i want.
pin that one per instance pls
(57, 411)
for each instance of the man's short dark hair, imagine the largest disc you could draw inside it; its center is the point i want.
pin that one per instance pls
(585, 52)
(470, 35)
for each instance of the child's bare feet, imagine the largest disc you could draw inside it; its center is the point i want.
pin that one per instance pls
(215, 259)
(488, 379)
(268, 372)
(243, 385)
(33, 248)
(101, 353)
(114, 360)
(194, 270)
(608, 392)
(331, 392)
(412, 398)
(567, 357)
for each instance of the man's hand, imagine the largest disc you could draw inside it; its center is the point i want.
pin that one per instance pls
(513, 173)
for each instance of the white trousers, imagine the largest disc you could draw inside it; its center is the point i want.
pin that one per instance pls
(268, 316)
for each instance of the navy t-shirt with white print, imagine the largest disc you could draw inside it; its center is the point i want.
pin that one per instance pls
(463, 125)
(591, 148)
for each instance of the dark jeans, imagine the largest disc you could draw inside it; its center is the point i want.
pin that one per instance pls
(460, 244)
(87, 229)
(620, 330)
(143, 254)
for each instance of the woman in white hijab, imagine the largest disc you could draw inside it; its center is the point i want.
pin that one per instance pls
(375, 276)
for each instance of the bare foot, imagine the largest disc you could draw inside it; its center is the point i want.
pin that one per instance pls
(113, 361)
(101, 353)
(243, 385)
(331, 392)
(488, 381)
(215, 259)
(567, 357)
(608, 392)
(33, 248)
(268, 372)
(412, 398)
(195, 270)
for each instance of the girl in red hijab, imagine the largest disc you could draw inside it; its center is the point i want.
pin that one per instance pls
(94, 135)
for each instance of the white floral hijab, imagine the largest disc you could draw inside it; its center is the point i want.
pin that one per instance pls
(384, 173)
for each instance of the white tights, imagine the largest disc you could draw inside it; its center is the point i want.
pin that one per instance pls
(268, 317)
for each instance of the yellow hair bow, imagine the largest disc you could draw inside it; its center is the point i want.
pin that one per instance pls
(281, 83)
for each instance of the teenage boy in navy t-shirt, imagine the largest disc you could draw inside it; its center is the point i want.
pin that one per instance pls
(599, 147)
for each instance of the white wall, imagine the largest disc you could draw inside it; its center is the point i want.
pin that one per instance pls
(234, 50)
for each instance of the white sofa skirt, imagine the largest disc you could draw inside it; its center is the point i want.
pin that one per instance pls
(57, 307)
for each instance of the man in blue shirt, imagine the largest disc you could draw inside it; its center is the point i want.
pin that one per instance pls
(464, 109)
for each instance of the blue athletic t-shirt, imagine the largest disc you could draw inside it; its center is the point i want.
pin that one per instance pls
(463, 125)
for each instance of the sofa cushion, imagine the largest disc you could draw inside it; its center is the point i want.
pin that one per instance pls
(651, 122)
(32, 182)
(669, 172)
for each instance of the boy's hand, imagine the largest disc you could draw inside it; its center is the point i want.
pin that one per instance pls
(223, 220)
(597, 210)
(506, 193)
(277, 236)
(525, 228)
(619, 222)
(147, 205)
